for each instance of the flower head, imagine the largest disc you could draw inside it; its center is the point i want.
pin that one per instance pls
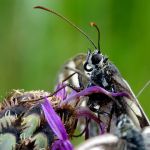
(64, 104)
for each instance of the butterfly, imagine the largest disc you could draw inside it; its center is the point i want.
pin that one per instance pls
(95, 69)
(107, 76)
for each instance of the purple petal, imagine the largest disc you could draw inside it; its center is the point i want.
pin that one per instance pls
(85, 112)
(92, 90)
(56, 145)
(73, 92)
(62, 145)
(62, 93)
(67, 145)
(102, 128)
(54, 120)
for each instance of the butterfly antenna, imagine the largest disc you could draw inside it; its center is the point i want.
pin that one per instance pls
(69, 22)
(94, 25)
(144, 87)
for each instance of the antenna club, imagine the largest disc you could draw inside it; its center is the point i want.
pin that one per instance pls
(92, 24)
(37, 6)
(41, 7)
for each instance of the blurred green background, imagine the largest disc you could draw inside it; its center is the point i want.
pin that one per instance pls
(34, 44)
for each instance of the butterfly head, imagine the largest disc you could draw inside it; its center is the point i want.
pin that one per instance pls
(94, 60)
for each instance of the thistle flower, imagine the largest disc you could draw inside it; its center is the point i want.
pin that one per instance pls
(57, 127)
(70, 113)
(76, 112)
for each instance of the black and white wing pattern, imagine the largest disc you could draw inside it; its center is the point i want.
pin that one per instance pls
(70, 67)
(132, 105)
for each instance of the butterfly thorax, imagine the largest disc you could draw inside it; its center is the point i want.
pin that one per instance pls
(103, 76)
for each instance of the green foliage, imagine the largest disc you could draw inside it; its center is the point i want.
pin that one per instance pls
(34, 44)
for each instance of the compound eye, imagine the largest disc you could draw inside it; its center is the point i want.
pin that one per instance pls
(96, 58)
(87, 68)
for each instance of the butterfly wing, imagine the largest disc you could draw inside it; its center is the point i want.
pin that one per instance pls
(133, 107)
(71, 66)
(103, 142)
